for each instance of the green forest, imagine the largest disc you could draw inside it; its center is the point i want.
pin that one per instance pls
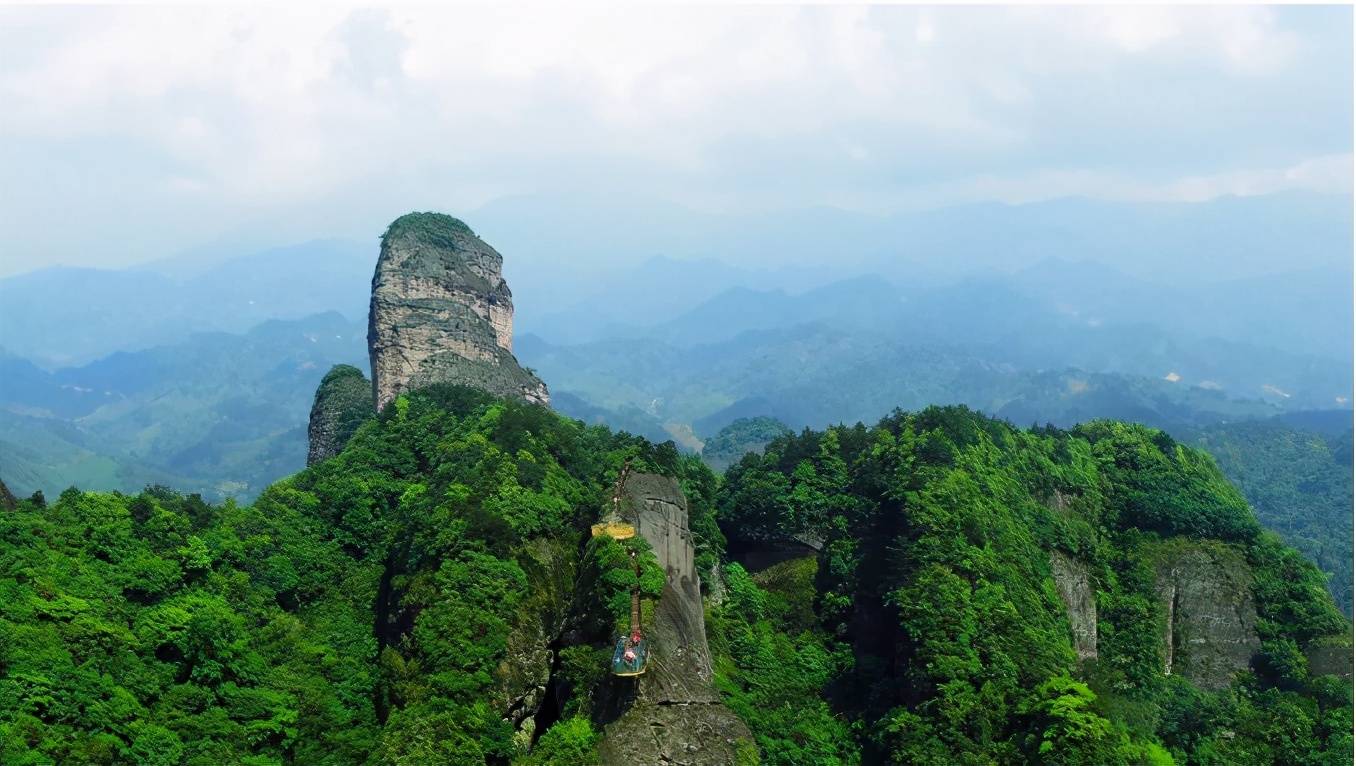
(389, 605)
(1299, 481)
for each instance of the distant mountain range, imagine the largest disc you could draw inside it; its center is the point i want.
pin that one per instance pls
(1057, 342)
(1272, 270)
(813, 375)
(217, 413)
(61, 317)
(673, 323)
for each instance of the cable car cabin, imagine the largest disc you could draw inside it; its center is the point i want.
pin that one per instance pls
(614, 528)
(630, 658)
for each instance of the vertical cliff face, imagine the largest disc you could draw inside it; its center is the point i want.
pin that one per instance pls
(1330, 656)
(1075, 590)
(523, 679)
(441, 312)
(672, 714)
(1210, 629)
(342, 403)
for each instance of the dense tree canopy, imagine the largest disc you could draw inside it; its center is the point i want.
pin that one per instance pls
(1300, 483)
(360, 612)
(934, 592)
(397, 604)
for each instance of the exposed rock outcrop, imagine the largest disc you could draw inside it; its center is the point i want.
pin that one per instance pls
(672, 714)
(1075, 590)
(7, 500)
(441, 312)
(343, 401)
(1330, 657)
(1210, 630)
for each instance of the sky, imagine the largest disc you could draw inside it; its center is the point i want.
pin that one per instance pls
(129, 134)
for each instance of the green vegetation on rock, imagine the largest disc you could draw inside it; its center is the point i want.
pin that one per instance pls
(437, 229)
(742, 436)
(934, 586)
(1300, 483)
(343, 402)
(432, 594)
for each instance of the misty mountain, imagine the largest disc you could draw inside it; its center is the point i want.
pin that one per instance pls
(562, 248)
(1020, 322)
(1272, 270)
(60, 317)
(218, 413)
(813, 375)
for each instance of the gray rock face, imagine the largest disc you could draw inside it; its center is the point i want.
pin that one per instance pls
(343, 401)
(441, 312)
(1209, 633)
(7, 499)
(1075, 590)
(1330, 659)
(672, 714)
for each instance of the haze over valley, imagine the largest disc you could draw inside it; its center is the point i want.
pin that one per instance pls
(706, 385)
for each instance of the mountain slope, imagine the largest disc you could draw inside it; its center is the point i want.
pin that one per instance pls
(432, 595)
(987, 594)
(218, 414)
(1300, 483)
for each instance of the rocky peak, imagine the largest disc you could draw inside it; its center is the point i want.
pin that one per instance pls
(342, 403)
(441, 312)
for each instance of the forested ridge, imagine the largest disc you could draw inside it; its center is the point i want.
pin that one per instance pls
(947, 638)
(361, 611)
(400, 602)
(1299, 481)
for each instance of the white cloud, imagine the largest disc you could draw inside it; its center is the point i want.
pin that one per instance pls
(1327, 174)
(248, 108)
(1331, 174)
(1247, 39)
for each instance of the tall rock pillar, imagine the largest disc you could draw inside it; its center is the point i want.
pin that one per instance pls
(672, 714)
(441, 312)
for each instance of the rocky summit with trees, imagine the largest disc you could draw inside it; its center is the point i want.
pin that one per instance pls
(463, 576)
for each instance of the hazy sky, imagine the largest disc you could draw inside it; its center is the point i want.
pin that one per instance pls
(128, 134)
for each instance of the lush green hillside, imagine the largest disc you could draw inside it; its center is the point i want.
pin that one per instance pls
(940, 634)
(1299, 480)
(362, 611)
(401, 602)
(1294, 470)
(740, 437)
